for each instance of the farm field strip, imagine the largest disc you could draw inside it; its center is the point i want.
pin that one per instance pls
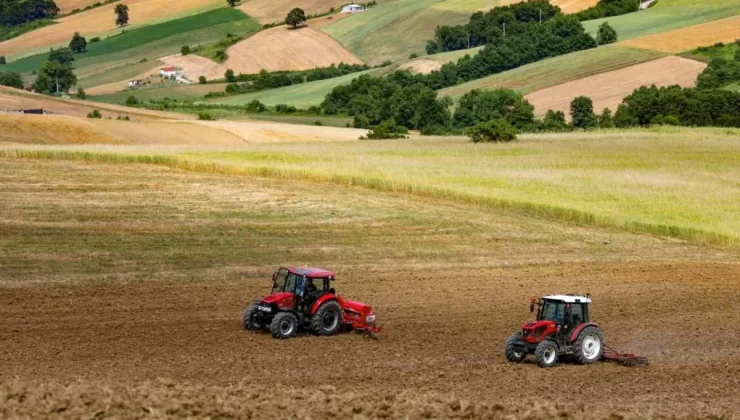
(608, 90)
(657, 182)
(680, 40)
(557, 70)
(160, 262)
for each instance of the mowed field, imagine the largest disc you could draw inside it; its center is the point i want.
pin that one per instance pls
(122, 287)
(66, 6)
(282, 48)
(607, 90)
(98, 21)
(680, 40)
(274, 11)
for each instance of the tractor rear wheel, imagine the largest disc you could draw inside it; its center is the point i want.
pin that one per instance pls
(589, 346)
(284, 325)
(547, 353)
(251, 318)
(516, 348)
(328, 319)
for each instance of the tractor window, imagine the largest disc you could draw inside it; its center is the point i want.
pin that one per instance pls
(576, 314)
(291, 281)
(280, 278)
(553, 310)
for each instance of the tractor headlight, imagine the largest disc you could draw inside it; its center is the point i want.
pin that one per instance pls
(370, 319)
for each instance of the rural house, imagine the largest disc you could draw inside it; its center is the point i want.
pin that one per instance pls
(168, 72)
(352, 8)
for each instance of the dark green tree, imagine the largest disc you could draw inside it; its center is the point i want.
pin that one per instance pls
(63, 56)
(555, 121)
(132, 101)
(54, 77)
(185, 50)
(2, 60)
(606, 34)
(582, 112)
(229, 75)
(605, 120)
(221, 56)
(121, 12)
(623, 118)
(737, 56)
(232, 3)
(78, 43)
(81, 93)
(202, 80)
(11, 79)
(295, 17)
(479, 106)
(498, 130)
(94, 114)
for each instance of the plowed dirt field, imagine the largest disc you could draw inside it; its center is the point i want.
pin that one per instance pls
(121, 288)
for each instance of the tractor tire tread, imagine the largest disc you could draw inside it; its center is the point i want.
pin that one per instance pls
(514, 342)
(247, 316)
(539, 353)
(275, 325)
(317, 326)
(578, 345)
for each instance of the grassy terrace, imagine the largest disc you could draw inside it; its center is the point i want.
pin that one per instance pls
(676, 182)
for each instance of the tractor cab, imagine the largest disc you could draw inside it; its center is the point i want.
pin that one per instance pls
(562, 327)
(303, 298)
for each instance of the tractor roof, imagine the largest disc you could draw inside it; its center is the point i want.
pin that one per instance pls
(569, 298)
(311, 272)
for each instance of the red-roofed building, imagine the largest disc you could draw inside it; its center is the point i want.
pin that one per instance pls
(168, 71)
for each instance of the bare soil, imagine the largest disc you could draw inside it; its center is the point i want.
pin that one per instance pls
(97, 308)
(607, 90)
(193, 66)
(685, 39)
(423, 66)
(282, 48)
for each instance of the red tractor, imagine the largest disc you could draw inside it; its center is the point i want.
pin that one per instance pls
(562, 328)
(302, 298)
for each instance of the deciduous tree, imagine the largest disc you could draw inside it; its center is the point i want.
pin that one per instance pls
(582, 112)
(295, 17)
(606, 34)
(121, 11)
(78, 43)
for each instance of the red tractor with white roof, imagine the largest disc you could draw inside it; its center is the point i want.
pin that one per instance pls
(302, 298)
(562, 328)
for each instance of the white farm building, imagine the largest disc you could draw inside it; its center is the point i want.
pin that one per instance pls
(352, 8)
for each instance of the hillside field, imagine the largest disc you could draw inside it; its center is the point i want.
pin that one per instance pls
(138, 260)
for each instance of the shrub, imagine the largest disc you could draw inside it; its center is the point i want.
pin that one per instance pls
(361, 121)
(132, 101)
(256, 106)
(387, 130)
(202, 80)
(605, 120)
(205, 116)
(413, 55)
(229, 76)
(318, 123)
(737, 54)
(313, 109)
(2, 60)
(582, 112)
(94, 39)
(81, 93)
(606, 34)
(665, 120)
(555, 121)
(497, 131)
(94, 114)
(11, 79)
(185, 50)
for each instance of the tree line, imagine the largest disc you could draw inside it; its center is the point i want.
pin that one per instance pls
(19, 12)
(608, 8)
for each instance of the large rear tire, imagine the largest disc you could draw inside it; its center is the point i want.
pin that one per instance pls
(250, 319)
(516, 348)
(547, 353)
(589, 346)
(328, 319)
(284, 325)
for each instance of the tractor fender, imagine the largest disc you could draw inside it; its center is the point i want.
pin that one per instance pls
(323, 299)
(574, 334)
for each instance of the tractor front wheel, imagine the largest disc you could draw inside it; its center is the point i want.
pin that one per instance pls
(516, 348)
(251, 318)
(547, 353)
(284, 325)
(327, 320)
(589, 346)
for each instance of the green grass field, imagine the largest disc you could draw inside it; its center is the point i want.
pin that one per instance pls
(677, 182)
(666, 15)
(557, 70)
(115, 74)
(192, 92)
(153, 41)
(726, 51)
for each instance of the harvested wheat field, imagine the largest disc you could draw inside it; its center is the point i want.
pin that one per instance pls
(64, 130)
(98, 21)
(323, 22)
(193, 66)
(122, 287)
(680, 40)
(272, 132)
(423, 66)
(282, 48)
(568, 6)
(608, 89)
(12, 99)
(120, 85)
(273, 11)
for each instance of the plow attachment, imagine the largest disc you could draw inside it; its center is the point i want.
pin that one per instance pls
(626, 359)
